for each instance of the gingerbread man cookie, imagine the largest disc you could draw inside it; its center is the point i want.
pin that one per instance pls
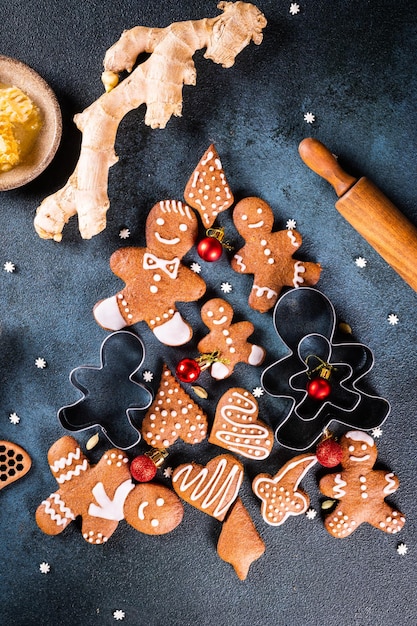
(230, 340)
(155, 278)
(360, 489)
(268, 255)
(280, 494)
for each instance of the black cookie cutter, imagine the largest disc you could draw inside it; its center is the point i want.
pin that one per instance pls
(305, 321)
(112, 398)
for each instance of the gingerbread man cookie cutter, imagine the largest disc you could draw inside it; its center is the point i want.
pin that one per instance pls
(305, 321)
(112, 398)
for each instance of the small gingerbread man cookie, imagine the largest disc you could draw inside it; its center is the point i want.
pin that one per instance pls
(268, 255)
(230, 340)
(155, 277)
(360, 489)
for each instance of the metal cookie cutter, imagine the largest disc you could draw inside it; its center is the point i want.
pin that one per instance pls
(305, 321)
(111, 397)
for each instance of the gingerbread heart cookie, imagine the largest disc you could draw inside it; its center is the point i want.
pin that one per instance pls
(237, 428)
(172, 415)
(211, 489)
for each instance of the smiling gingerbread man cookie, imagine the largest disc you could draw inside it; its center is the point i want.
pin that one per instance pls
(360, 489)
(230, 340)
(155, 277)
(268, 255)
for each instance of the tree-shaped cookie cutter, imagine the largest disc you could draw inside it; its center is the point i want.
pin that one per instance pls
(305, 321)
(112, 398)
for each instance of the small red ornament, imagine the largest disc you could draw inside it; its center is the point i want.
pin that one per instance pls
(143, 469)
(329, 452)
(210, 249)
(188, 370)
(318, 388)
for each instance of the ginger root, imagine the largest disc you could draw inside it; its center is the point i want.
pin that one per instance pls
(157, 82)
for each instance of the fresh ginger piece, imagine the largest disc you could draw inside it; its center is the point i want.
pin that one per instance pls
(156, 82)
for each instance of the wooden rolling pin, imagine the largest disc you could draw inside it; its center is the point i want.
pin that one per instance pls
(368, 211)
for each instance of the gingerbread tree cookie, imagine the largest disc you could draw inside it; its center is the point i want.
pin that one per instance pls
(230, 340)
(360, 489)
(155, 277)
(172, 415)
(268, 255)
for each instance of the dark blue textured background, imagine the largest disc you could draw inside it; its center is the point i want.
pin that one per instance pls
(351, 63)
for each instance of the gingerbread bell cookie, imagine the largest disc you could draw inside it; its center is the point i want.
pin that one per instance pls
(268, 255)
(237, 428)
(14, 463)
(207, 190)
(360, 489)
(155, 279)
(228, 339)
(173, 415)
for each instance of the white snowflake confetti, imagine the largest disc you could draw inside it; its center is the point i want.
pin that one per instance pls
(311, 513)
(168, 472)
(40, 363)
(119, 615)
(402, 549)
(195, 267)
(9, 267)
(257, 392)
(360, 262)
(309, 117)
(14, 418)
(44, 568)
(377, 432)
(294, 8)
(147, 376)
(226, 287)
(393, 319)
(124, 233)
(291, 224)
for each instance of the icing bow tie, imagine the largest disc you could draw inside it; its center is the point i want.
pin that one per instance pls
(152, 262)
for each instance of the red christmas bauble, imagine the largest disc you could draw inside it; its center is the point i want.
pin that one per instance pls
(329, 453)
(210, 249)
(143, 469)
(188, 370)
(318, 388)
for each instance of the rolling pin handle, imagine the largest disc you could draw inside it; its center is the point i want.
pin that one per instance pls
(318, 158)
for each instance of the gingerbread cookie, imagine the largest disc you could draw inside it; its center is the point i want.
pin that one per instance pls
(230, 340)
(172, 415)
(239, 543)
(280, 494)
(207, 190)
(360, 489)
(96, 493)
(268, 255)
(237, 428)
(14, 463)
(211, 489)
(153, 509)
(155, 278)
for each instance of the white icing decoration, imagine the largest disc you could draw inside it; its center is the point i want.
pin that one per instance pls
(65, 514)
(390, 487)
(256, 224)
(338, 490)
(298, 269)
(222, 320)
(169, 267)
(358, 435)
(65, 461)
(239, 262)
(260, 291)
(359, 459)
(215, 488)
(107, 314)
(292, 238)
(175, 332)
(256, 355)
(62, 478)
(141, 509)
(107, 508)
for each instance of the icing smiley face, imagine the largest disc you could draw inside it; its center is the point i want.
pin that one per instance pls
(253, 220)
(171, 229)
(217, 312)
(360, 450)
(153, 509)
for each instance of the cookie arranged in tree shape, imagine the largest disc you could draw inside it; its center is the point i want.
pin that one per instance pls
(207, 190)
(237, 428)
(172, 415)
(239, 542)
(155, 278)
(230, 340)
(14, 463)
(212, 488)
(360, 489)
(279, 494)
(268, 255)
